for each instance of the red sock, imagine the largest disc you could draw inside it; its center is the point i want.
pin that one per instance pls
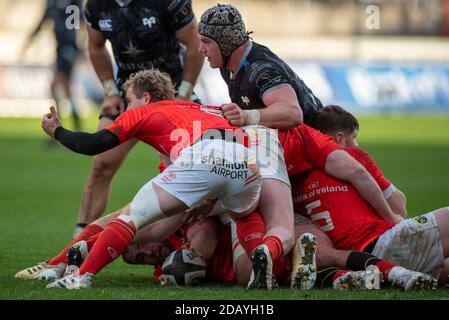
(385, 267)
(275, 247)
(110, 244)
(282, 268)
(91, 241)
(87, 232)
(250, 231)
(338, 274)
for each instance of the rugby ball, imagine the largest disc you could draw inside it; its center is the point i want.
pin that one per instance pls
(183, 267)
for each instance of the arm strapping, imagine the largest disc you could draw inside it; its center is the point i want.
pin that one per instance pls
(87, 143)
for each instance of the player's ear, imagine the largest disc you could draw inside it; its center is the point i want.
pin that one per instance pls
(339, 137)
(146, 97)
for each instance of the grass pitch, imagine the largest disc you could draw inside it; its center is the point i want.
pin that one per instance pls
(40, 191)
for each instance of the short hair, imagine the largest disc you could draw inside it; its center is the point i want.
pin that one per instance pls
(332, 119)
(158, 84)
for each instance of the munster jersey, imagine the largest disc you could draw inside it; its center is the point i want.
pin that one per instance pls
(338, 209)
(168, 126)
(261, 71)
(305, 148)
(142, 33)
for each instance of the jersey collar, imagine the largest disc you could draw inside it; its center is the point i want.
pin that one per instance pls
(243, 61)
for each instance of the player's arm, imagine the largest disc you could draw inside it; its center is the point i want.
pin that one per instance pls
(79, 142)
(193, 59)
(341, 165)
(281, 109)
(397, 202)
(101, 61)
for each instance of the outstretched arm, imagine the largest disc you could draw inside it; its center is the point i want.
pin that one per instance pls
(80, 142)
(341, 165)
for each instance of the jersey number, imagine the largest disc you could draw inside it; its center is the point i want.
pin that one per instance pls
(329, 225)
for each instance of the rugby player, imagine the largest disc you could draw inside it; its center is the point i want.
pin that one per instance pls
(205, 165)
(420, 244)
(264, 92)
(338, 163)
(143, 35)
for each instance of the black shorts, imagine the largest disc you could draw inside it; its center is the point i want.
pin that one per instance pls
(66, 56)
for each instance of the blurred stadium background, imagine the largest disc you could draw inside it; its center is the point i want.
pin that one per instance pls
(397, 64)
(395, 77)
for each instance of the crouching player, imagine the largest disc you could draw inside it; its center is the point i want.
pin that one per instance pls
(420, 244)
(201, 161)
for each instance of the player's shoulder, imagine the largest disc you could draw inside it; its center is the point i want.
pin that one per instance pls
(361, 156)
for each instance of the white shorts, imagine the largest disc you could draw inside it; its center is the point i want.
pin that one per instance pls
(414, 244)
(269, 152)
(212, 169)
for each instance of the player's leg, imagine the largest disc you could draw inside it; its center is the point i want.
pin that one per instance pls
(412, 244)
(150, 204)
(275, 205)
(54, 267)
(96, 191)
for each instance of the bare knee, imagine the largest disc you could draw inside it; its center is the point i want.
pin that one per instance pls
(103, 168)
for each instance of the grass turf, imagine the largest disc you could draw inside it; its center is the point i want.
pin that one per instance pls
(41, 187)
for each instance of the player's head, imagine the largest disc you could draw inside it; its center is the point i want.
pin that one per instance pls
(222, 31)
(339, 123)
(153, 253)
(148, 86)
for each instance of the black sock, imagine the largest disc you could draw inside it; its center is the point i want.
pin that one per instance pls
(324, 277)
(358, 260)
(81, 225)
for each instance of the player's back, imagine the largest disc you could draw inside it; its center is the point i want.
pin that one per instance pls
(168, 126)
(337, 208)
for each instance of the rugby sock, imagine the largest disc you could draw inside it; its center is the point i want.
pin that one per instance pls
(275, 247)
(282, 268)
(325, 278)
(110, 244)
(250, 232)
(87, 232)
(91, 241)
(360, 260)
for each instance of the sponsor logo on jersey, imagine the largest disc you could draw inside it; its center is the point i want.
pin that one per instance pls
(105, 24)
(149, 21)
(313, 185)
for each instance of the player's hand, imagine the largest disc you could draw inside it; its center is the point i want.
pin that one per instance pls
(50, 122)
(234, 114)
(201, 210)
(113, 105)
(397, 218)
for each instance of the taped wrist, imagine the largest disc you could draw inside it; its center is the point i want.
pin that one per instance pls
(185, 89)
(252, 116)
(110, 88)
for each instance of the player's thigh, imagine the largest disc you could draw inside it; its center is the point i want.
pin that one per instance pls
(442, 218)
(413, 243)
(276, 204)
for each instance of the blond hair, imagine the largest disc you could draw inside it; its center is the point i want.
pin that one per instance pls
(158, 84)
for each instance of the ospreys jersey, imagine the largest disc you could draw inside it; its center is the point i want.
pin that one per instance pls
(262, 70)
(142, 33)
